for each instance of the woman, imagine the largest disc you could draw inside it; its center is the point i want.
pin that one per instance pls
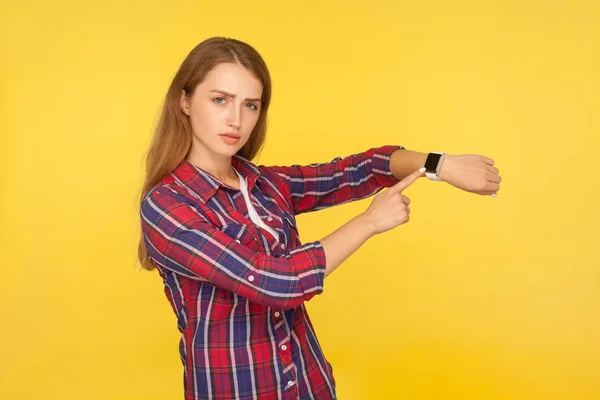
(222, 233)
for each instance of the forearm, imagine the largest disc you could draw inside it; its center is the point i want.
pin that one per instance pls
(405, 162)
(340, 244)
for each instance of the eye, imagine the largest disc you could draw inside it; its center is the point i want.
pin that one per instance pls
(218, 98)
(253, 106)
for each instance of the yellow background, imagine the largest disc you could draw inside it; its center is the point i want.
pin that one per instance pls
(476, 298)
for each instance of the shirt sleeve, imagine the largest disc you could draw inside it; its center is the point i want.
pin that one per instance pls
(316, 186)
(179, 238)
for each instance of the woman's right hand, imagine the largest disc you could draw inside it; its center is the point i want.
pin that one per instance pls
(390, 208)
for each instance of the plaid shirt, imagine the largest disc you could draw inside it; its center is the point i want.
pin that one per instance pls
(237, 291)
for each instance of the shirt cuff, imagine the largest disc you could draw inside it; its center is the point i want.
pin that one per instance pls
(381, 166)
(310, 262)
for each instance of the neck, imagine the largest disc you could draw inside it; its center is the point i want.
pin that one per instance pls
(217, 165)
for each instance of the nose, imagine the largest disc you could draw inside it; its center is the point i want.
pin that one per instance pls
(234, 117)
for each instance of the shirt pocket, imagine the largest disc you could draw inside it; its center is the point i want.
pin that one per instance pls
(246, 234)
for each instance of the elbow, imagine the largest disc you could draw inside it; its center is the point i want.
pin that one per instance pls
(285, 303)
(283, 300)
(287, 290)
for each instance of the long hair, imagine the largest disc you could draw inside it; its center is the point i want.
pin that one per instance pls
(172, 138)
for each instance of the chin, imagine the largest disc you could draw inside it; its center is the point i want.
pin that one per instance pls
(229, 150)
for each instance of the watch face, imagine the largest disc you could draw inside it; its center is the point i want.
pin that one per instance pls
(432, 162)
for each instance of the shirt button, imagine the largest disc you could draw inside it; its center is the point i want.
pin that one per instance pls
(283, 246)
(270, 219)
(237, 240)
(290, 383)
(251, 278)
(284, 347)
(277, 314)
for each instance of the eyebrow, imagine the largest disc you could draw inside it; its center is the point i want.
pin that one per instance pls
(231, 95)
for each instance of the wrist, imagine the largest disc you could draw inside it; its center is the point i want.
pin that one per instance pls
(433, 165)
(443, 172)
(366, 223)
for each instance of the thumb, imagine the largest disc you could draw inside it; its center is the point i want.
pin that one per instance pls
(407, 181)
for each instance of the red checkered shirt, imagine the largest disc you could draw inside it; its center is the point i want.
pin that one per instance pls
(237, 291)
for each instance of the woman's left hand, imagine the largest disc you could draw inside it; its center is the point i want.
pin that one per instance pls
(471, 172)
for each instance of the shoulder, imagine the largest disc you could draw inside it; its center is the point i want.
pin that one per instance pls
(170, 202)
(167, 193)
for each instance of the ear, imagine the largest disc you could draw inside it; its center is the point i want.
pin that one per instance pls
(184, 103)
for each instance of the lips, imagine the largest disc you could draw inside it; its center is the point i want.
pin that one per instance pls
(230, 138)
(231, 135)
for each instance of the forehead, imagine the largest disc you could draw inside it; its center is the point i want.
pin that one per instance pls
(232, 78)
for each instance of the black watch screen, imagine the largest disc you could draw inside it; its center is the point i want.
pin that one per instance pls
(432, 162)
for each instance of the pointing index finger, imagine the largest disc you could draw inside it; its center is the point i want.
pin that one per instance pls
(407, 181)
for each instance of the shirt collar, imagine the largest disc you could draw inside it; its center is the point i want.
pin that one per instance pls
(205, 185)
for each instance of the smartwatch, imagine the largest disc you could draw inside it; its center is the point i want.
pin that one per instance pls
(433, 164)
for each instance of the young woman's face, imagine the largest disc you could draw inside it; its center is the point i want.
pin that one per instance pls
(223, 109)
